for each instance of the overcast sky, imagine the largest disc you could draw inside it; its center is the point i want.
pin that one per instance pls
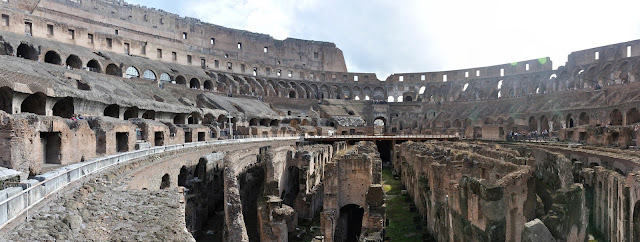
(387, 36)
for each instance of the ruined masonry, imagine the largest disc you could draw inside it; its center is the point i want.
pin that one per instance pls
(122, 122)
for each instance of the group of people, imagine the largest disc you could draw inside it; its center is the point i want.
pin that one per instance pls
(531, 136)
(76, 117)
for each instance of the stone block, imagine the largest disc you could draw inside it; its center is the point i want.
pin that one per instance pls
(536, 231)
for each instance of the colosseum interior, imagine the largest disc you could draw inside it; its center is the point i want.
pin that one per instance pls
(121, 122)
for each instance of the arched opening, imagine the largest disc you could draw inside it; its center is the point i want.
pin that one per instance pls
(194, 118)
(35, 104)
(132, 72)
(583, 119)
(208, 85)
(165, 77)
(182, 177)
(253, 122)
(570, 121)
(114, 70)
(292, 94)
(180, 80)
(64, 108)
(28, 52)
(166, 182)
(274, 123)
(94, 66)
(408, 99)
(533, 124)
(179, 118)
(349, 223)
(149, 114)
(390, 99)
(148, 74)
(633, 116)
(52, 57)
(264, 122)
(194, 83)
(208, 119)
(6, 99)
(544, 123)
(112, 110)
(616, 117)
(131, 112)
(74, 62)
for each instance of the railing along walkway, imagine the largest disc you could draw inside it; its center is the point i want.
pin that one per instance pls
(383, 137)
(15, 201)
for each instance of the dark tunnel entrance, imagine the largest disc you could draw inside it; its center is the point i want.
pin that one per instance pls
(290, 192)
(349, 223)
(251, 184)
(384, 148)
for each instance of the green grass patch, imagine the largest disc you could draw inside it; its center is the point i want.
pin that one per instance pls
(401, 220)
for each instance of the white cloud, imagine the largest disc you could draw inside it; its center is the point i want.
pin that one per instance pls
(416, 35)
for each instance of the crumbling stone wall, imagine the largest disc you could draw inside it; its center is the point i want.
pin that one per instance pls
(349, 181)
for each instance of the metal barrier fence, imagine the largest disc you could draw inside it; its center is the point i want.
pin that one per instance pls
(15, 201)
(409, 136)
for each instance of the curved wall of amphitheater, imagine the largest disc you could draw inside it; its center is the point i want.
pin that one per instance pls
(86, 79)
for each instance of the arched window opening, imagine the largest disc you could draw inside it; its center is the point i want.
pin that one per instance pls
(208, 119)
(182, 177)
(194, 83)
(500, 85)
(583, 119)
(166, 182)
(464, 88)
(422, 89)
(148, 74)
(208, 85)
(28, 52)
(180, 80)
(112, 110)
(164, 77)
(149, 114)
(132, 72)
(194, 118)
(616, 117)
(6, 99)
(408, 99)
(570, 121)
(633, 116)
(131, 112)
(533, 124)
(74, 61)
(52, 57)
(544, 123)
(94, 66)
(399, 99)
(292, 94)
(179, 119)
(35, 104)
(64, 108)
(114, 70)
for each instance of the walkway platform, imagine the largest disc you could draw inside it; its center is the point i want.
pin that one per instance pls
(380, 137)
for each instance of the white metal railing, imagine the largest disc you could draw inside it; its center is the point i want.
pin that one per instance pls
(16, 201)
(408, 136)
